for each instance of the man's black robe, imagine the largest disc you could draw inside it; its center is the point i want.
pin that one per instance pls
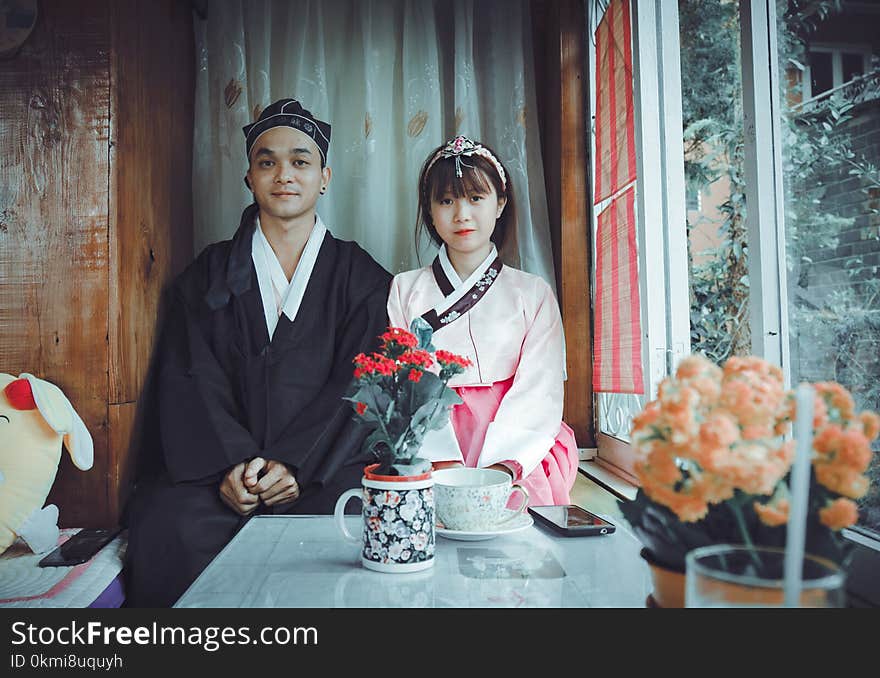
(225, 393)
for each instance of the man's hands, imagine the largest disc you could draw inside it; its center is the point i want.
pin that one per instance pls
(235, 495)
(244, 487)
(276, 487)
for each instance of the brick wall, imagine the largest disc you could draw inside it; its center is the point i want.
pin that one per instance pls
(832, 341)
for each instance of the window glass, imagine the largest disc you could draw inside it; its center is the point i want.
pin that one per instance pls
(712, 118)
(821, 72)
(853, 65)
(831, 150)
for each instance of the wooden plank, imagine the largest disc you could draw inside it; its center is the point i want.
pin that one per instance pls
(575, 222)
(54, 113)
(151, 235)
(151, 238)
(563, 86)
(123, 423)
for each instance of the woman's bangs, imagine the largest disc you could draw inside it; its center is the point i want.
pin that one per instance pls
(472, 180)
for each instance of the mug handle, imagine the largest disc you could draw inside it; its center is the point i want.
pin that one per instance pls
(521, 508)
(339, 511)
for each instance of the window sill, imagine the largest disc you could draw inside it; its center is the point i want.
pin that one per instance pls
(605, 477)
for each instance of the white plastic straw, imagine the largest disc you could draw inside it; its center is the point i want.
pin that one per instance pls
(796, 531)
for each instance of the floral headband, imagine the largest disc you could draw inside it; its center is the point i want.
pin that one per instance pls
(462, 146)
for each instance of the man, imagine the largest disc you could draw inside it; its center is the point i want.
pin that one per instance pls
(253, 362)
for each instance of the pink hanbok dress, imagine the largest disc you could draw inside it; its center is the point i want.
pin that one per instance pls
(507, 323)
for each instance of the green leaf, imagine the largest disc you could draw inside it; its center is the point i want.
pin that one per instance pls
(425, 389)
(373, 396)
(430, 416)
(424, 332)
(370, 416)
(376, 438)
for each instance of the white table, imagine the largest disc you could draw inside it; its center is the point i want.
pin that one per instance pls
(303, 561)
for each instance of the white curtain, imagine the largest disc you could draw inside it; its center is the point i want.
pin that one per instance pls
(394, 78)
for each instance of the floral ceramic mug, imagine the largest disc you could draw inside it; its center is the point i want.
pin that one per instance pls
(475, 499)
(398, 514)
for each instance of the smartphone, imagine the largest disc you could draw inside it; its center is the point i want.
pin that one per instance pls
(80, 547)
(571, 520)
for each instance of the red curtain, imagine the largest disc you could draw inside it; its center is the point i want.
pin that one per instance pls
(615, 122)
(617, 345)
(617, 353)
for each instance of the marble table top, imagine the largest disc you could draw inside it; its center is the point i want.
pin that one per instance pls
(303, 561)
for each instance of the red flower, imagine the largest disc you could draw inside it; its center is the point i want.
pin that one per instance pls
(365, 365)
(370, 365)
(417, 357)
(384, 366)
(446, 358)
(401, 336)
(384, 374)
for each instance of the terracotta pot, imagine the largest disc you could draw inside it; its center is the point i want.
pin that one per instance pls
(668, 583)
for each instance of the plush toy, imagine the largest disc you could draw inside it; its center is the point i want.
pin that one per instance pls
(35, 418)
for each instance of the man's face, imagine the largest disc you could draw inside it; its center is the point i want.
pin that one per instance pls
(285, 173)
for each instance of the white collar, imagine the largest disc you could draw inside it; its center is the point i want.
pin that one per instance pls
(448, 268)
(462, 287)
(271, 277)
(276, 272)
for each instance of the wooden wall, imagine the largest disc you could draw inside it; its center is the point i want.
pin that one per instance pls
(559, 28)
(95, 216)
(151, 240)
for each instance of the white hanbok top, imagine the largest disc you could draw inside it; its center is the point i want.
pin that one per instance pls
(280, 295)
(514, 330)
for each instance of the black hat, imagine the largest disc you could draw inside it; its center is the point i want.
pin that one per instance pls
(288, 113)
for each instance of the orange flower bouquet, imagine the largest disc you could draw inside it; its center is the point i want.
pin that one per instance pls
(713, 465)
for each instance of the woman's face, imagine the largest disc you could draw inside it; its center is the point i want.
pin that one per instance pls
(466, 223)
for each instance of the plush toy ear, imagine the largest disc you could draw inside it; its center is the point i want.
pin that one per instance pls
(60, 415)
(79, 443)
(50, 401)
(19, 394)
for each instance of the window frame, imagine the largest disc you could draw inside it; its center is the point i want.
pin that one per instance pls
(657, 52)
(765, 219)
(836, 50)
(660, 193)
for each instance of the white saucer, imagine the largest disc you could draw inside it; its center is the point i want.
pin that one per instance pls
(521, 522)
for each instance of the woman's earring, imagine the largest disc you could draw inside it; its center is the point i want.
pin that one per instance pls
(323, 188)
